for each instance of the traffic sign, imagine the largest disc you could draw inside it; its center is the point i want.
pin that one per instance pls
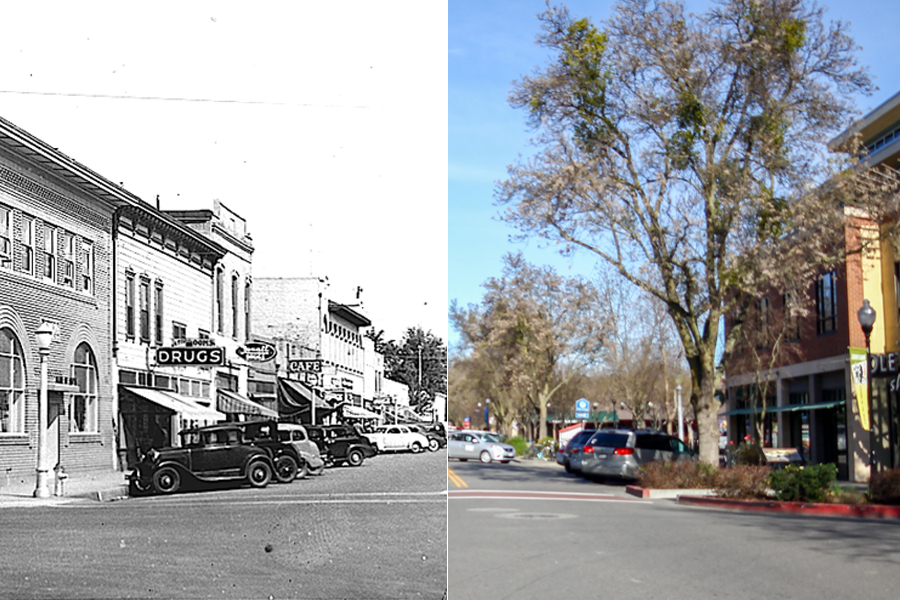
(582, 408)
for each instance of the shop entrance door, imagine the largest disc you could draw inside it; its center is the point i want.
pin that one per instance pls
(54, 410)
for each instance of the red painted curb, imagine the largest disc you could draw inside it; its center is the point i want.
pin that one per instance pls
(638, 491)
(869, 511)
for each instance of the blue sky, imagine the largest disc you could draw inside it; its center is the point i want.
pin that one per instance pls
(491, 45)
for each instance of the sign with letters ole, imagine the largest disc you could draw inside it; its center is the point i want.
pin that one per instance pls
(190, 356)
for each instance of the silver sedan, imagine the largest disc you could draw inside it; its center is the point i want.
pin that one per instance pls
(480, 445)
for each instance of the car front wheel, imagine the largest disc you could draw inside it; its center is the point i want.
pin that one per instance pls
(259, 474)
(416, 447)
(285, 469)
(485, 456)
(433, 445)
(167, 480)
(355, 458)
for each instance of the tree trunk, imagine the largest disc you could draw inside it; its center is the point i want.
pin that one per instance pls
(706, 409)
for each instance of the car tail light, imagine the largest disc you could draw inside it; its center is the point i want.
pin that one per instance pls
(576, 450)
(588, 449)
(623, 451)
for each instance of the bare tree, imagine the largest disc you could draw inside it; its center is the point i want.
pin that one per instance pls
(535, 330)
(686, 151)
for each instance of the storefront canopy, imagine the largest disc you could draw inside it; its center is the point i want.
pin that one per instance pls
(233, 403)
(786, 408)
(296, 398)
(182, 405)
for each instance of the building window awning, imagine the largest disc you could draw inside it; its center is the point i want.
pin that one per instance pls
(233, 403)
(296, 398)
(357, 412)
(182, 405)
(786, 408)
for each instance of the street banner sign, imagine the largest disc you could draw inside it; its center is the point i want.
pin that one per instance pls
(582, 408)
(304, 365)
(190, 356)
(257, 351)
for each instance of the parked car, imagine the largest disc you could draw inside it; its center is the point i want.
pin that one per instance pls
(207, 454)
(481, 445)
(273, 437)
(620, 453)
(436, 438)
(574, 445)
(397, 437)
(341, 444)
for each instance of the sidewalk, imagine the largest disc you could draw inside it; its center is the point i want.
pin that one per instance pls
(94, 485)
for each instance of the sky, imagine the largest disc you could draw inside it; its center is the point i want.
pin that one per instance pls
(323, 125)
(491, 45)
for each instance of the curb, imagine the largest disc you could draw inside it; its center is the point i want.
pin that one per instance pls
(868, 511)
(640, 492)
(106, 495)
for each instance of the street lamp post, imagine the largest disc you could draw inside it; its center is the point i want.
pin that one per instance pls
(866, 316)
(44, 336)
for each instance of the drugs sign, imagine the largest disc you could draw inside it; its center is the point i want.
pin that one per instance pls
(190, 356)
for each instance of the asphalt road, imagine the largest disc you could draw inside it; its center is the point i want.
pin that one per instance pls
(377, 531)
(531, 531)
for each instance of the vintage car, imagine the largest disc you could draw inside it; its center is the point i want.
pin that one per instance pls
(341, 444)
(291, 461)
(297, 436)
(207, 454)
(397, 437)
(436, 437)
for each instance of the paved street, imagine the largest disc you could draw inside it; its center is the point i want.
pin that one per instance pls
(378, 531)
(560, 536)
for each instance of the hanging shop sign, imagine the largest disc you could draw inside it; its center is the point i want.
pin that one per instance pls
(304, 365)
(257, 351)
(311, 379)
(190, 356)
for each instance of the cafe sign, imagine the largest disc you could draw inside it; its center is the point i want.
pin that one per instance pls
(257, 351)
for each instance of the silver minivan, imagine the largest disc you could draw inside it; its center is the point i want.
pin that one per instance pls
(620, 452)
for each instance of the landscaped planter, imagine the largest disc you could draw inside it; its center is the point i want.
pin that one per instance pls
(871, 511)
(640, 492)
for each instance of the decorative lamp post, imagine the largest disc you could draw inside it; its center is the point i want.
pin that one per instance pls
(487, 421)
(680, 413)
(596, 416)
(866, 316)
(44, 336)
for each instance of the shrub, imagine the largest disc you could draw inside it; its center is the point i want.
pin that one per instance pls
(744, 482)
(749, 454)
(803, 484)
(839, 495)
(519, 443)
(676, 475)
(884, 488)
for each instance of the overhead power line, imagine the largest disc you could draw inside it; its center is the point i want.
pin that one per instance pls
(178, 99)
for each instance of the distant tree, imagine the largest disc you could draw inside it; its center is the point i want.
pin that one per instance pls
(419, 360)
(377, 338)
(687, 152)
(533, 331)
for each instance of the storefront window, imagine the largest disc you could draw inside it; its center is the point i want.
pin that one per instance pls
(12, 384)
(83, 406)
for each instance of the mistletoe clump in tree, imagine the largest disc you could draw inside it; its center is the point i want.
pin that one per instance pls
(688, 153)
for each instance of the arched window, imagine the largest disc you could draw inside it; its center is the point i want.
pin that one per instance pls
(12, 384)
(83, 406)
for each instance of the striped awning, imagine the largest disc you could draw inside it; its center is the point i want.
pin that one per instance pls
(177, 403)
(233, 403)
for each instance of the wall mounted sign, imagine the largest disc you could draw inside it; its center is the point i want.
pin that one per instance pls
(190, 356)
(304, 365)
(257, 351)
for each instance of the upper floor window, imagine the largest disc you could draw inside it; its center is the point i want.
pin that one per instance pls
(179, 332)
(27, 241)
(144, 307)
(158, 311)
(247, 309)
(87, 266)
(83, 406)
(220, 302)
(51, 239)
(826, 303)
(129, 305)
(68, 259)
(12, 384)
(5, 235)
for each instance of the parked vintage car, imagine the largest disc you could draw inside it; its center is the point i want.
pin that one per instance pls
(397, 437)
(436, 438)
(341, 444)
(207, 454)
(289, 460)
(297, 436)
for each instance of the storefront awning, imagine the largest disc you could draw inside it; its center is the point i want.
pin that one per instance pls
(187, 407)
(295, 399)
(357, 412)
(231, 402)
(786, 408)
